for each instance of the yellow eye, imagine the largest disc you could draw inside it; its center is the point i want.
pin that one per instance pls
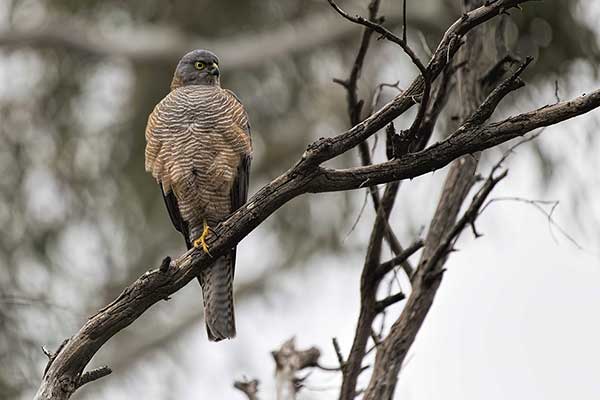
(199, 65)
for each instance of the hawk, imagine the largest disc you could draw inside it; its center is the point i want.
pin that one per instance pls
(198, 148)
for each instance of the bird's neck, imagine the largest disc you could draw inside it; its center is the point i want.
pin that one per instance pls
(177, 82)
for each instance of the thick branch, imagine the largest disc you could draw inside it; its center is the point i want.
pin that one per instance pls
(327, 149)
(369, 282)
(466, 140)
(443, 229)
(395, 347)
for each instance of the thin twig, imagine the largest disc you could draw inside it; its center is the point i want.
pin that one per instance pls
(360, 213)
(249, 388)
(538, 205)
(338, 353)
(512, 149)
(381, 305)
(328, 369)
(383, 32)
(387, 266)
(94, 375)
(512, 83)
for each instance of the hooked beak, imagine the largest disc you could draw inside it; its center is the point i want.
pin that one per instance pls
(214, 70)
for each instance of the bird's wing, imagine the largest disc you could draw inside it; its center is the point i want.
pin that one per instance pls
(239, 189)
(165, 126)
(176, 218)
(241, 117)
(159, 151)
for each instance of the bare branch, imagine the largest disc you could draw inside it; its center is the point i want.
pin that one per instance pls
(396, 345)
(387, 266)
(468, 218)
(355, 107)
(443, 229)
(289, 361)
(383, 32)
(487, 108)
(466, 140)
(160, 340)
(93, 375)
(351, 84)
(369, 282)
(381, 305)
(47, 352)
(404, 21)
(338, 353)
(327, 149)
(249, 388)
(440, 97)
(52, 356)
(539, 205)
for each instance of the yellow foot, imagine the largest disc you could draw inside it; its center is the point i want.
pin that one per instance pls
(201, 241)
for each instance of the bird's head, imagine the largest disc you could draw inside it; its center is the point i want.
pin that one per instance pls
(198, 67)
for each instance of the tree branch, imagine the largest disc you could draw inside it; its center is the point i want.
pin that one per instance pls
(383, 32)
(387, 266)
(369, 282)
(249, 388)
(381, 305)
(466, 140)
(395, 347)
(355, 107)
(288, 362)
(443, 228)
(93, 375)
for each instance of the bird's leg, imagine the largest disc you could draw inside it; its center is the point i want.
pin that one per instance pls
(201, 241)
(215, 232)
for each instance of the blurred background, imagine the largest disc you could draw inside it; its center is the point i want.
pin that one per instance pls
(516, 316)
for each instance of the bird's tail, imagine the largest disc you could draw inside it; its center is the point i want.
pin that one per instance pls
(217, 291)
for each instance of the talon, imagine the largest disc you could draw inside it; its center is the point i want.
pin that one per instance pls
(201, 241)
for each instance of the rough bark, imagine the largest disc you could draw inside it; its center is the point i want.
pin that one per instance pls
(479, 55)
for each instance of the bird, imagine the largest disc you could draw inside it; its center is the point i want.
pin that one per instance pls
(199, 150)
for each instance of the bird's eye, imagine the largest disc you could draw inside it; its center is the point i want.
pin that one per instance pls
(199, 65)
